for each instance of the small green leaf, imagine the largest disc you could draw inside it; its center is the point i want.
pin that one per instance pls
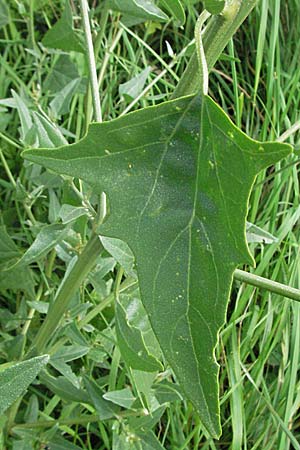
(121, 397)
(143, 382)
(24, 114)
(46, 132)
(8, 249)
(120, 251)
(59, 443)
(69, 353)
(121, 442)
(61, 103)
(15, 380)
(62, 73)
(257, 234)
(46, 239)
(147, 422)
(132, 88)
(32, 410)
(39, 306)
(69, 213)
(166, 392)
(62, 34)
(178, 177)
(214, 6)
(132, 344)
(141, 9)
(104, 408)
(18, 279)
(63, 388)
(176, 10)
(66, 371)
(148, 441)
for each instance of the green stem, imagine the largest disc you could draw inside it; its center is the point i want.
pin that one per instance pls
(91, 61)
(216, 36)
(270, 285)
(85, 419)
(7, 169)
(77, 275)
(105, 302)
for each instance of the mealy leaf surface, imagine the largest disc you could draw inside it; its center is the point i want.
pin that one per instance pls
(178, 177)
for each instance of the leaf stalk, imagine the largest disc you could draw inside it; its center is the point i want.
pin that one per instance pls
(91, 61)
(73, 281)
(265, 283)
(216, 36)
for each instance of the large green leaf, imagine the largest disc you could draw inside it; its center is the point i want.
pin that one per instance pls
(178, 177)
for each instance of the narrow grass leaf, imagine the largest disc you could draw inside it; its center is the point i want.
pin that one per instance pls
(4, 14)
(175, 8)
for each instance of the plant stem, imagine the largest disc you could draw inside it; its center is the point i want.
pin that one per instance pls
(77, 275)
(270, 285)
(7, 169)
(91, 61)
(85, 419)
(105, 302)
(216, 36)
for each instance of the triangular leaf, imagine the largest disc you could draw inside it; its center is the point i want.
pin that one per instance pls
(121, 397)
(62, 35)
(178, 177)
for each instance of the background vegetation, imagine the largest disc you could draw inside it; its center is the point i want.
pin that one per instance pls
(257, 82)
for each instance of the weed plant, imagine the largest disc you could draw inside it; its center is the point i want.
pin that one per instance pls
(256, 81)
